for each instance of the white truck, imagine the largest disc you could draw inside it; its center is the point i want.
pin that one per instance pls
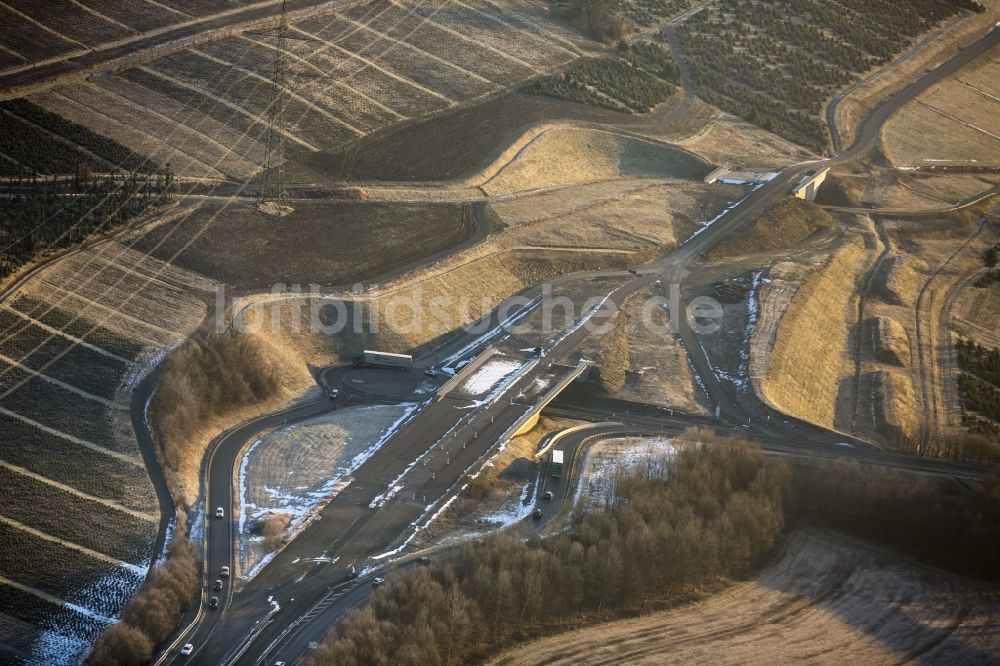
(377, 359)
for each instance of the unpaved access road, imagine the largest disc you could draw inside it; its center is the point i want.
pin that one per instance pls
(828, 600)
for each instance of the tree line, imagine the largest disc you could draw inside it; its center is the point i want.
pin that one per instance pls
(211, 375)
(153, 614)
(666, 528)
(978, 387)
(39, 215)
(616, 84)
(113, 156)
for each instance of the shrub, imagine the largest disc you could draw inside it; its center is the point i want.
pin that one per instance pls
(154, 612)
(211, 375)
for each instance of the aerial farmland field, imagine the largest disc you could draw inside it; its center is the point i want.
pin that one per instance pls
(281, 281)
(348, 76)
(73, 339)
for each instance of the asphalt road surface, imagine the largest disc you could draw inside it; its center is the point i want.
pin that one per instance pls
(448, 437)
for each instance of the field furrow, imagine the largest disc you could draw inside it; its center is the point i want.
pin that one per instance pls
(371, 41)
(106, 316)
(72, 22)
(11, 382)
(138, 132)
(365, 103)
(254, 94)
(42, 626)
(211, 143)
(424, 33)
(549, 48)
(71, 574)
(30, 39)
(127, 294)
(114, 478)
(141, 263)
(121, 536)
(454, 83)
(65, 489)
(197, 8)
(87, 420)
(62, 359)
(288, 91)
(497, 36)
(10, 58)
(313, 84)
(124, 345)
(530, 19)
(40, 149)
(13, 321)
(202, 106)
(375, 80)
(138, 14)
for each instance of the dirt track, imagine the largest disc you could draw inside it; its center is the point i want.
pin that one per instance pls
(829, 600)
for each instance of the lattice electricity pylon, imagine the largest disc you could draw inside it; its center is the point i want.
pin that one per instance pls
(274, 147)
(272, 197)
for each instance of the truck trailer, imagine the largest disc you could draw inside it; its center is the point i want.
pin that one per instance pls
(377, 359)
(557, 464)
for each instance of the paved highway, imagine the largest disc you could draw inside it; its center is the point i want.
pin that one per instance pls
(363, 527)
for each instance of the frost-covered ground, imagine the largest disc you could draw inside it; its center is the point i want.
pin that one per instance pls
(606, 458)
(829, 600)
(67, 634)
(515, 509)
(297, 469)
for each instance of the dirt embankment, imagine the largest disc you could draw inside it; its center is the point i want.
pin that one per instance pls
(894, 405)
(811, 358)
(211, 383)
(976, 314)
(900, 280)
(889, 341)
(614, 362)
(785, 226)
(547, 156)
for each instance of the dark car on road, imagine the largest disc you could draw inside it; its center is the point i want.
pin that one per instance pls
(536, 514)
(213, 602)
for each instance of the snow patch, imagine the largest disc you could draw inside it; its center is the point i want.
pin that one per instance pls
(492, 373)
(597, 483)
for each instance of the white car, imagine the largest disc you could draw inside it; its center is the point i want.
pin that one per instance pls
(225, 572)
(187, 650)
(220, 513)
